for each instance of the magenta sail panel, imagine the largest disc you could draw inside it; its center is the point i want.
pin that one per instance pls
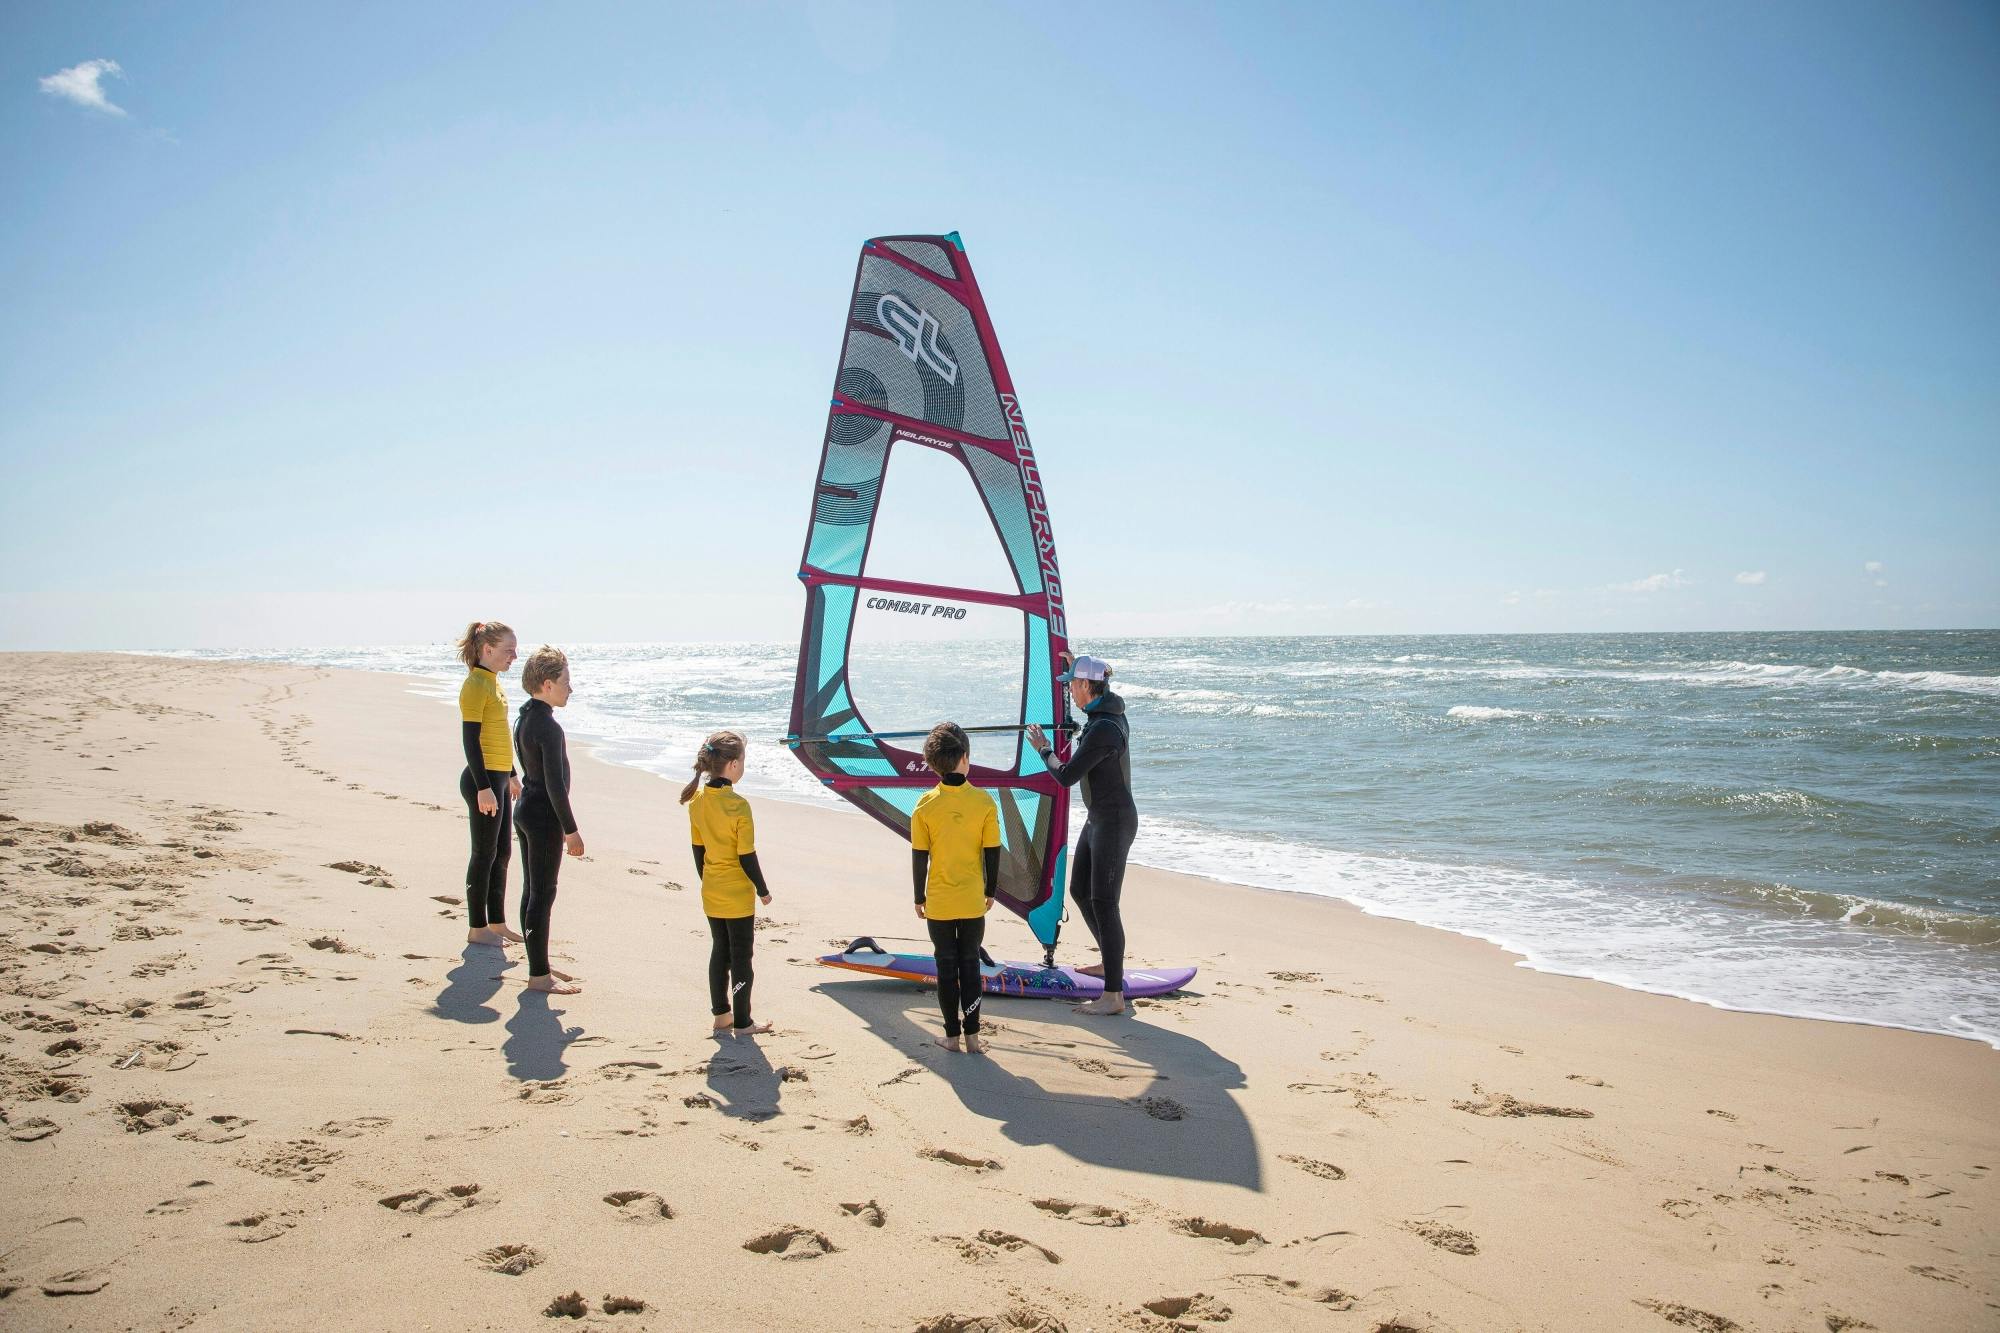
(921, 373)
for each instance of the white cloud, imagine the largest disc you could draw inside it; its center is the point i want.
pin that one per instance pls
(1361, 604)
(83, 84)
(1752, 577)
(1872, 567)
(1653, 583)
(1881, 583)
(1511, 599)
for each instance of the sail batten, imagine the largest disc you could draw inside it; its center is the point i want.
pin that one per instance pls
(921, 369)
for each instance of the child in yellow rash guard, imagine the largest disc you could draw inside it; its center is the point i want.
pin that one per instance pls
(955, 863)
(488, 784)
(725, 856)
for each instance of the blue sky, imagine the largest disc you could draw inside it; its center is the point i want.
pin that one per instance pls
(351, 325)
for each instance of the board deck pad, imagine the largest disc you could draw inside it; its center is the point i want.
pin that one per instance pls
(1004, 977)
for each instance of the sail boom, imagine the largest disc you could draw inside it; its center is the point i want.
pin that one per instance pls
(915, 431)
(1030, 602)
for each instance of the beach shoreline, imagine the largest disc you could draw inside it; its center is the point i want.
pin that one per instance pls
(1389, 1112)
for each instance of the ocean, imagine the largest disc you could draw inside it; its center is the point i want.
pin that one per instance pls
(1803, 823)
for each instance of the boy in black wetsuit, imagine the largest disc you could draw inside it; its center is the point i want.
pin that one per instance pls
(542, 817)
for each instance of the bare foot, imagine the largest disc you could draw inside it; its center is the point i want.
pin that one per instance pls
(974, 1044)
(950, 1044)
(508, 933)
(484, 935)
(553, 986)
(754, 1030)
(1111, 1002)
(1093, 970)
(721, 1025)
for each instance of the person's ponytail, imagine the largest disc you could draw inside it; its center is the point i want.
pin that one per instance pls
(480, 635)
(720, 748)
(694, 784)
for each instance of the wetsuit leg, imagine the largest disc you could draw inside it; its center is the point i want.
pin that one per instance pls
(1079, 883)
(1109, 845)
(718, 966)
(742, 932)
(944, 944)
(486, 872)
(729, 970)
(971, 933)
(541, 863)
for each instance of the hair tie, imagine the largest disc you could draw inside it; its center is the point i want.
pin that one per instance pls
(707, 748)
(479, 628)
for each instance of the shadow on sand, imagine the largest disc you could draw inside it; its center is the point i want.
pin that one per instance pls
(741, 1079)
(1213, 1140)
(536, 1038)
(470, 985)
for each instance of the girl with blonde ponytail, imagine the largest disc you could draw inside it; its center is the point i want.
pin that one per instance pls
(488, 783)
(725, 856)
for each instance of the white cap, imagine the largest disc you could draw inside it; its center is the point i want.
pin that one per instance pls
(1086, 668)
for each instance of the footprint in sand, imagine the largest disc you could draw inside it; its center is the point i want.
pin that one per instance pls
(571, 1306)
(1686, 1316)
(1199, 1306)
(1014, 1319)
(792, 1242)
(217, 1129)
(1085, 1214)
(1449, 1239)
(1203, 1228)
(355, 1128)
(1161, 1108)
(260, 1227)
(250, 923)
(623, 1305)
(428, 1203)
(545, 1093)
(32, 1128)
(27, 1020)
(162, 1056)
(304, 1160)
(1294, 976)
(627, 1069)
(1013, 1244)
(870, 1212)
(960, 1159)
(68, 1046)
(1505, 1105)
(1312, 1166)
(1333, 1298)
(640, 1206)
(80, 1282)
(145, 1116)
(513, 1260)
(333, 944)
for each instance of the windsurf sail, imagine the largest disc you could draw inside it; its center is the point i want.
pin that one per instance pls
(932, 589)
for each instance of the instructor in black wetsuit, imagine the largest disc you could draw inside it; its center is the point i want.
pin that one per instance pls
(1102, 762)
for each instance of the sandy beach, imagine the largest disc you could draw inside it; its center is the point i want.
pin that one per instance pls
(255, 1079)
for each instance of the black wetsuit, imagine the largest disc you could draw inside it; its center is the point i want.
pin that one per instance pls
(1102, 762)
(956, 943)
(492, 835)
(543, 820)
